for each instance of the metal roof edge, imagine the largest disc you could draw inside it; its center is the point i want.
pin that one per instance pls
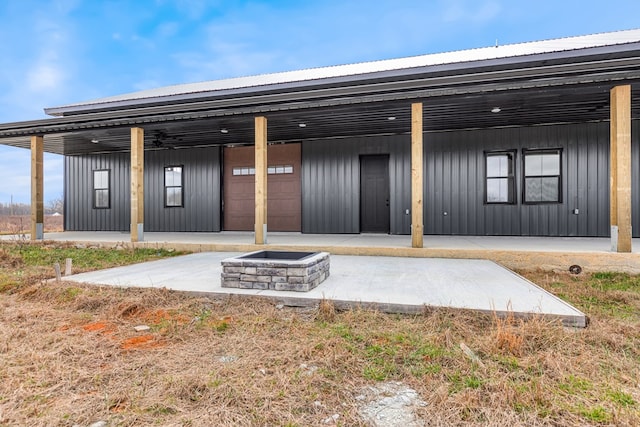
(354, 72)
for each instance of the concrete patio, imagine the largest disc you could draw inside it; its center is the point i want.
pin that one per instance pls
(392, 284)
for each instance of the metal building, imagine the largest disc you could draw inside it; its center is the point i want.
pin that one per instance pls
(532, 139)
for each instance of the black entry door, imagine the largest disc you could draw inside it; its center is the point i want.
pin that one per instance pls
(374, 194)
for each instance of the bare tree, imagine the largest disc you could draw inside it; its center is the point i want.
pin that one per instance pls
(55, 206)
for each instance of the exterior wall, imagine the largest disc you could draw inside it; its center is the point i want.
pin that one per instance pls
(454, 182)
(331, 183)
(202, 194)
(78, 197)
(201, 190)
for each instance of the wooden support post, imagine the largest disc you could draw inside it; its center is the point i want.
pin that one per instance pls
(37, 188)
(261, 180)
(620, 169)
(137, 184)
(417, 226)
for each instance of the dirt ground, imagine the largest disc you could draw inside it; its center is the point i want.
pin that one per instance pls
(76, 355)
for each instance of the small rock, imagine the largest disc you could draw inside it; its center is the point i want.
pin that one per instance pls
(227, 359)
(280, 306)
(99, 424)
(390, 404)
(141, 328)
(317, 404)
(308, 370)
(332, 419)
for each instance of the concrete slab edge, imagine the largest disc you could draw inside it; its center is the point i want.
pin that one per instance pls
(576, 321)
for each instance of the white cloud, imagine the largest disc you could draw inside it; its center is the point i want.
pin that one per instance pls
(44, 76)
(42, 65)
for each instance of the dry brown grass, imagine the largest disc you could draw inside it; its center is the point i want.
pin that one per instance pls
(21, 224)
(69, 355)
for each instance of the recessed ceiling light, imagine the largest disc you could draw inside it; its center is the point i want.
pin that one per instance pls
(496, 109)
(224, 130)
(391, 118)
(95, 141)
(302, 125)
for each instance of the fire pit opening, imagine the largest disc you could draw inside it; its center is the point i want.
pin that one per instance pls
(276, 270)
(281, 255)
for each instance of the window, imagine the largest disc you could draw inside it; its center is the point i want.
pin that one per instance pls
(279, 170)
(173, 186)
(244, 171)
(542, 176)
(271, 170)
(101, 197)
(499, 177)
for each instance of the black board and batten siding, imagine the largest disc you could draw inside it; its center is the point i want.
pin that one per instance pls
(201, 180)
(331, 183)
(79, 214)
(454, 182)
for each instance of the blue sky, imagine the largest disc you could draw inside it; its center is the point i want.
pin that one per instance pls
(55, 52)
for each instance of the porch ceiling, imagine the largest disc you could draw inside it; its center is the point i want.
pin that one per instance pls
(347, 117)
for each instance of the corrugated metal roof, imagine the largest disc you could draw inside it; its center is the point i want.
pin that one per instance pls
(211, 88)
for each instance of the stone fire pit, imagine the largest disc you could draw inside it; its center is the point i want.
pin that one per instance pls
(276, 270)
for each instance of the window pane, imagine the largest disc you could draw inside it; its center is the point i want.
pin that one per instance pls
(174, 196)
(498, 165)
(532, 188)
(549, 189)
(101, 198)
(173, 176)
(288, 169)
(542, 164)
(542, 189)
(533, 164)
(498, 190)
(551, 164)
(271, 170)
(100, 179)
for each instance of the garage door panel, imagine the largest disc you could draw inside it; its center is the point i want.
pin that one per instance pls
(284, 207)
